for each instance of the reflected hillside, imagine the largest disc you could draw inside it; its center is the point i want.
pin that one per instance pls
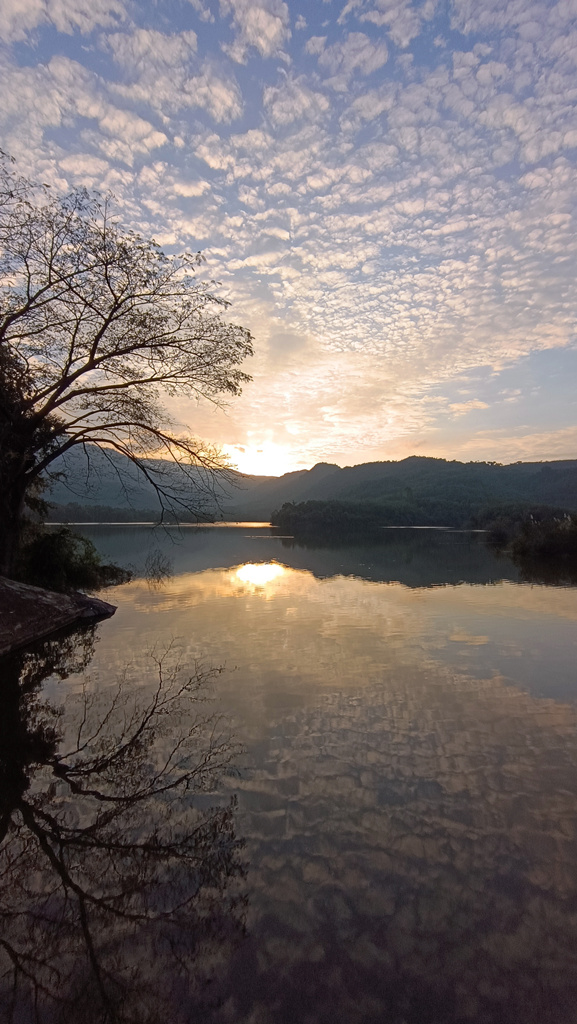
(416, 558)
(413, 557)
(117, 876)
(547, 572)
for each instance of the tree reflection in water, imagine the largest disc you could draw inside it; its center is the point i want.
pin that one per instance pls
(117, 881)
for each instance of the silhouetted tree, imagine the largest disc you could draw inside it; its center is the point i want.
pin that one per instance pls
(97, 327)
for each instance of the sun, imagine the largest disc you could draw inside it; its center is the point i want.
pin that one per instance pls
(266, 459)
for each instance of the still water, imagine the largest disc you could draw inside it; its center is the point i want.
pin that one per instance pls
(406, 722)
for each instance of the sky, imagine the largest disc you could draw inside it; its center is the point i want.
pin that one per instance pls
(385, 191)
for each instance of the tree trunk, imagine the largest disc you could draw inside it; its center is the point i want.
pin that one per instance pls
(12, 494)
(17, 436)
(11, 525)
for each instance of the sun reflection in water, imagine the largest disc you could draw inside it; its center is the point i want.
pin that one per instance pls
(259, 574)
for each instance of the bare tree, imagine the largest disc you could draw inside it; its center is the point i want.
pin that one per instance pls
(98, 327)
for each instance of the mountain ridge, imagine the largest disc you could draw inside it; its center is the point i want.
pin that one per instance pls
(91, 479)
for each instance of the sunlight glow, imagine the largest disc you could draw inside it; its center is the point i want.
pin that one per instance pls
(260, 574)
(266, 459)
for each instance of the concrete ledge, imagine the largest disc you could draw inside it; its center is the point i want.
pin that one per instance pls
(31, 613)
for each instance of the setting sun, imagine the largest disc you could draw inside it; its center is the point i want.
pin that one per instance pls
(267, 459)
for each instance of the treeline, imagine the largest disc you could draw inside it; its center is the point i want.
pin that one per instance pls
(329, 518)
(347, 517)
(539, 538)
(76, 513)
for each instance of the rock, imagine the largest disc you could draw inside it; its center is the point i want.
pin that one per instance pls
(31, 613)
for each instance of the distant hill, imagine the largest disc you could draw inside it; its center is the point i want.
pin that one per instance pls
(419, 489)
(86, 479)
(416, 489)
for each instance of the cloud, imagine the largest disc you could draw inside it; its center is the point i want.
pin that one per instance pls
(481, 16)
(325, 404)
(142, 50)
(217, 94)
(399, 17)
(202, 9)
(20, 17)
(527, 445)
(369, 106)
(315, 44)
(355, 53)
(85, 169)
(62, 92)
(191, 188)
(163, 71)
(384, 225)
(460, 408)
(292, 100)
(262, 25)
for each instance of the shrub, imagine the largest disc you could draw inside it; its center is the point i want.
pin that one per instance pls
(63, 560)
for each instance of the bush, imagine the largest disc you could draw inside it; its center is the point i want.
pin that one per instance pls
(63, 560)
(556, 540)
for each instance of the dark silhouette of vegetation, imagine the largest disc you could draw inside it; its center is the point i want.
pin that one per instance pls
(503, 523)
(464, 487)
(97, 325)
(421, 491)
(541, 541)
(552, 539)
(545, 550)
(62, 560)
(415, 491)
(329, 518)
(118, 877)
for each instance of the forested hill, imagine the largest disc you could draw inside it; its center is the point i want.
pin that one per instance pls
(417, 489)
(425, 490)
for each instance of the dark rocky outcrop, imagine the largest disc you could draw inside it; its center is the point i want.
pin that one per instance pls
(30, 613)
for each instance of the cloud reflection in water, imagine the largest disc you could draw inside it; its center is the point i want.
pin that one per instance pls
(409, 790)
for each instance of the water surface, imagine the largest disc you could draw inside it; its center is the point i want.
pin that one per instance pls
(408, 786)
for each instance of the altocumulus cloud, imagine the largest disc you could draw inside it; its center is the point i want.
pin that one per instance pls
(386, 191)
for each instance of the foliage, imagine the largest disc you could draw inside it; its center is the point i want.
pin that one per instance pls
(553, 540)
(463, 487)
(97, 327)
(309, 518)
(348, 518)
(422, 491)
(504, 522)
(542, 541)
(531, 531)
(62, 560)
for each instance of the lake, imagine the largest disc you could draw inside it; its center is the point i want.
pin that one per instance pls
(402, 721)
